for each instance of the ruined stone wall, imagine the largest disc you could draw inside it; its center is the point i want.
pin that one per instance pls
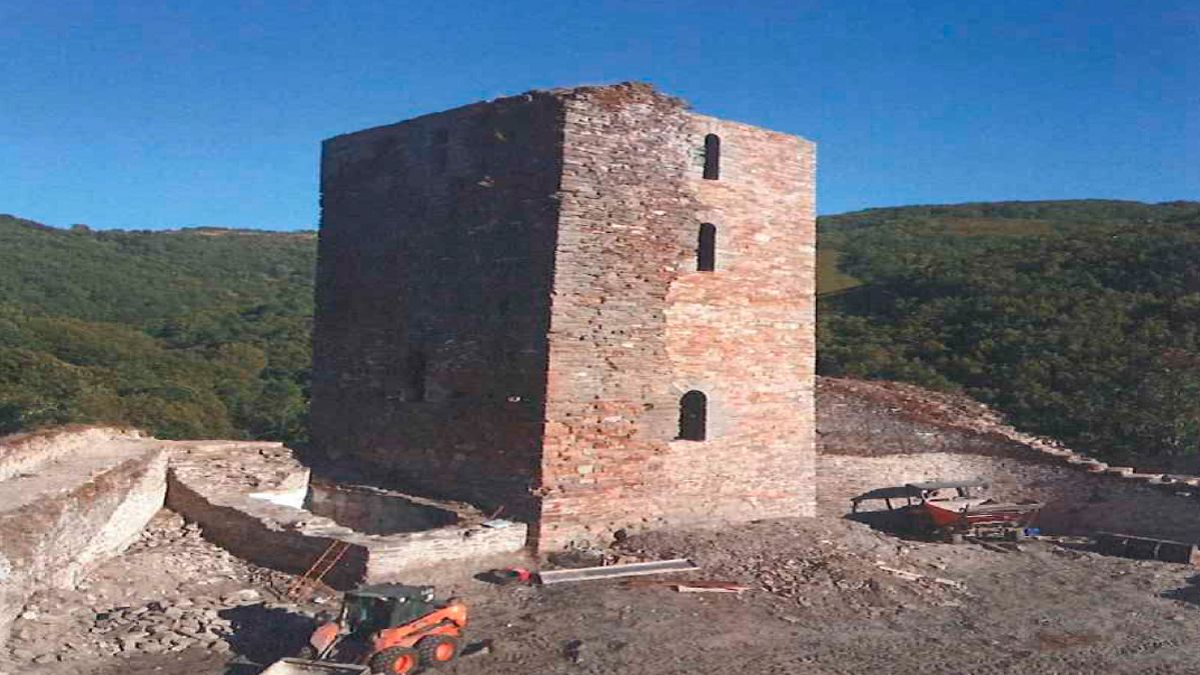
(24, 453)
(879, 434)
(253, 531)
(230, 489)
(81, 496)
(436, 245)
(635, 325)
(373, 511)
(1076, 502)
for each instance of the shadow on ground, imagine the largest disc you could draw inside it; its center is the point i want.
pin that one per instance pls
(892, 523)
(264, 635)
(1189, 594)
(240, 666)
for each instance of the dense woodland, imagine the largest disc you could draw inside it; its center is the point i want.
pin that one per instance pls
(194, 333)
(1080, 319)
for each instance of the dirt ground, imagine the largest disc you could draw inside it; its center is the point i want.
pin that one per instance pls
(828, 596)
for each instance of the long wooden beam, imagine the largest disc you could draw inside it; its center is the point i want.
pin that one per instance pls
(614, 571)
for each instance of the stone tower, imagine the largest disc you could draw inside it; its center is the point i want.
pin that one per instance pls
(590, 306)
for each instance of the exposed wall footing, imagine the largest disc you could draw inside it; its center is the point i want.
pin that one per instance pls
(227, 488)
(70, 500)
(873, 434)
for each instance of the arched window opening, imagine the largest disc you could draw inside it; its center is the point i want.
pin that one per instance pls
(416, 376)
(712, 157)
(693, 416)
(706, 249)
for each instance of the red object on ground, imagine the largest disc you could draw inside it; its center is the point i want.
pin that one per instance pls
(964, 516)
(523, 575)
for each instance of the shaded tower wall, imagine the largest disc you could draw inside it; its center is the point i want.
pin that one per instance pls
(433, 282)
(635, 325)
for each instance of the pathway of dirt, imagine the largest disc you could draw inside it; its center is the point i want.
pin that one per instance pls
(830, 596)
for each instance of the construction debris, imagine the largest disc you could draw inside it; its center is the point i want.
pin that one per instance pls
(689, 586)
(616, 571)
(573, 650)
(508, 575)
(1145, 548)
(303, 587)
(913, 576)
(171, 592)
(480, 648)
(709, 587)
(995, 547)
(946, 510)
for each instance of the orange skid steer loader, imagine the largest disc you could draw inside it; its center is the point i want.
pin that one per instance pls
(392, 628)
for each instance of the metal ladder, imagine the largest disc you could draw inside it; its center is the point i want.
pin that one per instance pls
(302, 587)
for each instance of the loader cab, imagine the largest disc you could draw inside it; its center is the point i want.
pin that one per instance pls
(375, 608)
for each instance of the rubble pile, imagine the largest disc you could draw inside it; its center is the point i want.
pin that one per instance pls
(172, 591)
(151, 628)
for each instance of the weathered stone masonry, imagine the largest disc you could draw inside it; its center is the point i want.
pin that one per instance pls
(510, 311)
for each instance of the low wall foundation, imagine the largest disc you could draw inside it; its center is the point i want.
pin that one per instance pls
(876, 434)
(68, 502)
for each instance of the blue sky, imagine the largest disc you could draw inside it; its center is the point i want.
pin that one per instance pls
(152, 115)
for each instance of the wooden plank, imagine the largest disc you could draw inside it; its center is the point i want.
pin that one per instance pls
(914, 576)
(710, 588)
(616, 571)
(647, 583)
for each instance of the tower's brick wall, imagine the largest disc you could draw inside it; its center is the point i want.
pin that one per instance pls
(634, 326)
(550, 280)
(436, 240)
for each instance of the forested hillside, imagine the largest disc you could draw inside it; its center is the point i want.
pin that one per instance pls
(1079, 319)
(195, 333)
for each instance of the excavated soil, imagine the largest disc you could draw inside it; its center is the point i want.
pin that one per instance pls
(828, 596)
(827, 606)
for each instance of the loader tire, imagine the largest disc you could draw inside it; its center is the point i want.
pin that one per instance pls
(436, 650)
(307, 652)
(395, 661)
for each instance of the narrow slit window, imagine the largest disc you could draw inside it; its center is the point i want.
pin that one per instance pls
(712, 157)
(706, 248)
(416, 376)
(693, 416)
